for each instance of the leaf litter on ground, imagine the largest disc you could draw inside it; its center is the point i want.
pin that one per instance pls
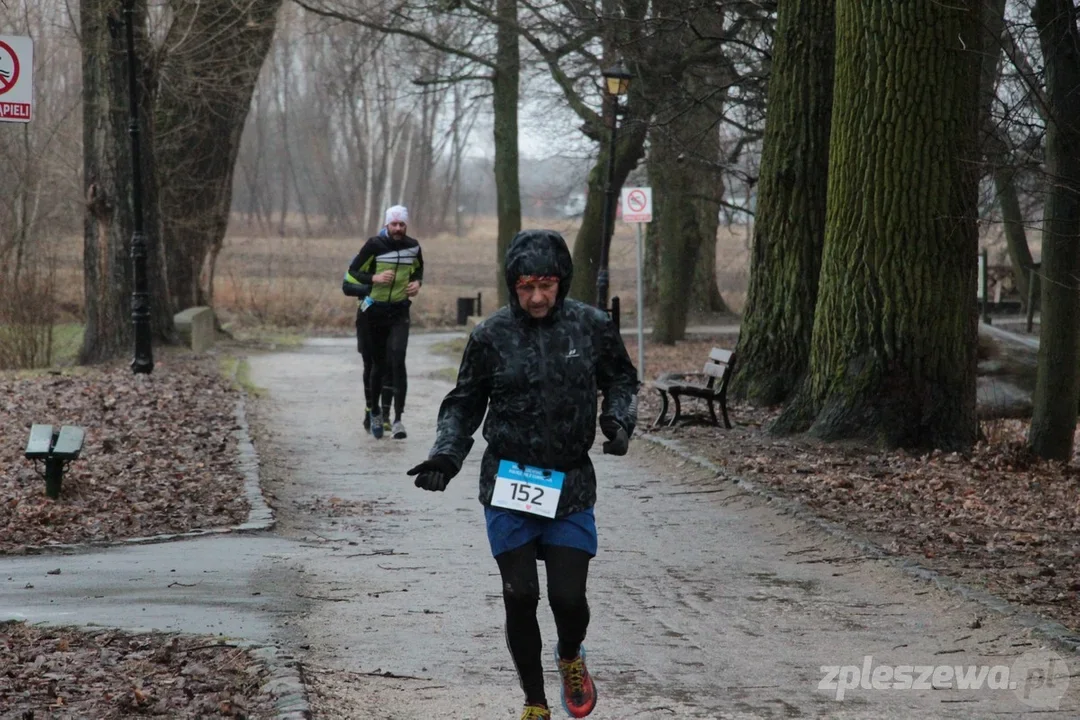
(159, 454)
(64, 672)
(995, 517)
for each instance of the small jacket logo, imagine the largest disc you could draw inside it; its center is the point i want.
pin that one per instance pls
(573, 353)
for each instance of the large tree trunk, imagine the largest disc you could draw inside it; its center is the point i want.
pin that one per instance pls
(683, 160)
(107, 172)
(506, 87)
(629, 149)
(677, 227)
(207, 82)
(893, 353)
(789, 232)
(706, 295)
(651, 271)
(1057, 385)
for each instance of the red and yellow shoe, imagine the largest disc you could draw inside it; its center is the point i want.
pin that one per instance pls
(578, 690)
(535, 712)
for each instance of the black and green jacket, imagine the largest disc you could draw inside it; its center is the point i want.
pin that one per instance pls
(384, 253)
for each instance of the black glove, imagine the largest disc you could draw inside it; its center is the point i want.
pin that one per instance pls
(618, 441)
(434, 474)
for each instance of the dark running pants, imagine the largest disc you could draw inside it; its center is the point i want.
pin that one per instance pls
(567, 572)
(363, 346)
(388, 336)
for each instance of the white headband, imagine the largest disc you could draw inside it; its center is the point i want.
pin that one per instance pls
(398, 213)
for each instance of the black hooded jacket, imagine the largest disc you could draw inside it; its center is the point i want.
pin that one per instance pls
(537, 380)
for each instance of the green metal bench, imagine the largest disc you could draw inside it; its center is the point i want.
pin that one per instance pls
(57, 446)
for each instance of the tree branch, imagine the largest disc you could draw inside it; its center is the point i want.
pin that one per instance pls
(413, 34)
(573, 97)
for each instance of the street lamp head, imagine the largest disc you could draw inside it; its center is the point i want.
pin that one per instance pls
(617, 80)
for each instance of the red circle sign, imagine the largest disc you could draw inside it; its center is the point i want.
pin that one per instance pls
(636, 200)
(8, 80)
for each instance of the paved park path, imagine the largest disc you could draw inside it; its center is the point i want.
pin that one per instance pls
(707, 602)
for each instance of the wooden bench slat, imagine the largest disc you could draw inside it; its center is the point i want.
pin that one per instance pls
(37, 447)
(69, 443)
(721, 355)
(714, 370)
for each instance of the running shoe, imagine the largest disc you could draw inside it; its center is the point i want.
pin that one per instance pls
(376, 424)
(535, 712)
(367, 419)
(398, 429)
(578, 690)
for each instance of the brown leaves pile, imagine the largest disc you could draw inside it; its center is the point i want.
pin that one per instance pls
(996, 517)
(159, 454)
(60, 672)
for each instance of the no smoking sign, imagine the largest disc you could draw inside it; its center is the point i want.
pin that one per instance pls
(636, 204)
(16, 78)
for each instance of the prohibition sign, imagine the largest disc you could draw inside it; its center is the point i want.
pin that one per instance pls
(8, 78)
(636, 200)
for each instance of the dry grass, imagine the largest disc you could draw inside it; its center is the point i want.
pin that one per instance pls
(27, 315)
(294, 282)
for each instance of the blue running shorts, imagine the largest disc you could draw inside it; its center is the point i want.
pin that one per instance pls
(508, 530)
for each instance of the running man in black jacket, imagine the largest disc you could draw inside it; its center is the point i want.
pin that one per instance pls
(393, 266)
(534, 367)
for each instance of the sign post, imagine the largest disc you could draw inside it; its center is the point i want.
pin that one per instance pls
(16, 78)
(637, 208)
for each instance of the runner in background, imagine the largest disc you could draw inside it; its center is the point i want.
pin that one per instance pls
(392, 264)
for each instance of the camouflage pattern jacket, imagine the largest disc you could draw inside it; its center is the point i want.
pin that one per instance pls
(537, 381)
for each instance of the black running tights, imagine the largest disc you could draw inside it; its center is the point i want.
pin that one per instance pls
(388, 345)
(567, 571)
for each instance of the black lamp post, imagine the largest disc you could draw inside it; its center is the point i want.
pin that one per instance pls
(616, 84)
(140, 296)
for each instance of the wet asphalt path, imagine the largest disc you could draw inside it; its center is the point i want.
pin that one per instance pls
(707, 603)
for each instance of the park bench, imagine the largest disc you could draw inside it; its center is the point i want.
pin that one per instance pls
(709, 385)
(57, 446)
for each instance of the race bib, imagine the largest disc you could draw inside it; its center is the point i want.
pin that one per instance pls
(527, 489)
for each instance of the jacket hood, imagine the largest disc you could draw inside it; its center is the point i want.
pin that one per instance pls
(538, 252)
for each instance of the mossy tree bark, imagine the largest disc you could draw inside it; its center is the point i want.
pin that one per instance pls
(1057, 384)
(706, 295)
(789, 232)
(893, 356)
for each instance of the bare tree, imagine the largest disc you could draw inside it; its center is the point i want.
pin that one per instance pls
(40, 181)
(211, 58)
(455, 31)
